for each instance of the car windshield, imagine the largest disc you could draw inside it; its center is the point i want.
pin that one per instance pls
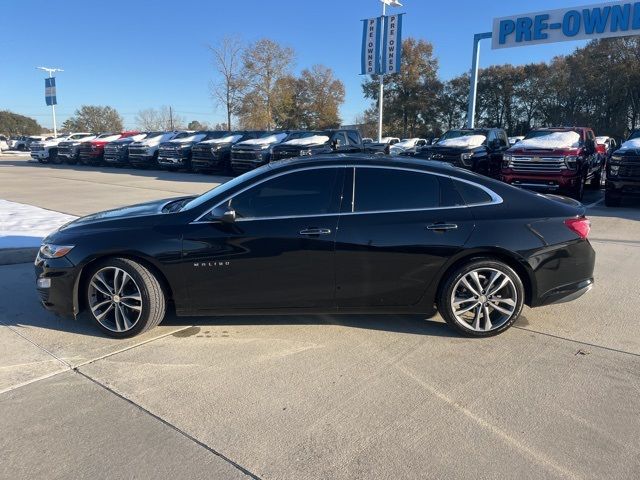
(217, 134)
(635, 135)
(298, 135)
(153, 135)
(182, 135)
(223, 187)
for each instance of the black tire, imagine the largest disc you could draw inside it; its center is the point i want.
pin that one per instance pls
(21, 148)
(611, 200)
(578, 192)
(152, 296)
(446, 291)
(53, 156)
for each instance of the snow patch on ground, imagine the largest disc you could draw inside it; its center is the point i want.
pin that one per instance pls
(631, 144)
(552, 140)
(23, 226)
(465, 141)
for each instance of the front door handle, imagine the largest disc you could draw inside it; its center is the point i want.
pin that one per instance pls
(441, 227)
(315, 231)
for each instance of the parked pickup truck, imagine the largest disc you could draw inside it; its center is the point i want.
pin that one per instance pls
(117, 152)
(249, 154)
(559, 159)
(177, 153)
(214, 153)
(320, 142)
(92, 152)
(408, 146)
(144, 153)
(47, 150)
(383, 146)
(479, 149)
(623, 172)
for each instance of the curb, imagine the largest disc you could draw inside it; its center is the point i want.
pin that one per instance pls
(11, 256)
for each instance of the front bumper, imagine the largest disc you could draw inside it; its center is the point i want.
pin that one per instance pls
(59, 296)
(208, 161)
(116, 157)
(173, 159)
(40, 154)
(141, 159)
(626, 187)
(541, 181)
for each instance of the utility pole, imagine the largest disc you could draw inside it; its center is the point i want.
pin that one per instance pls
(51, 71)
(171, 118)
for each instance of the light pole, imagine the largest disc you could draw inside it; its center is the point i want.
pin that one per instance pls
(51, 71)
(391, 3)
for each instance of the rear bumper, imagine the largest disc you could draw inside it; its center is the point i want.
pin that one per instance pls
(567, 293)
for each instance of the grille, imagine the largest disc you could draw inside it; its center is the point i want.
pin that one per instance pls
(36, 148)
(245, 155)
(544, 164)
(137, 151)
(84, 151)
(170, 153)
(201, 152)
(65, 151)
(629, 171)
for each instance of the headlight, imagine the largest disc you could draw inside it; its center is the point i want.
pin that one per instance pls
(613, 170)
(48, 250)
(571, 161)
(616, 158)
(265, 146)
(304, 153)
(506, 160)
(466, 157)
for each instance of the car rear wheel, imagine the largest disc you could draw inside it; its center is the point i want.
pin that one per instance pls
(482, 298)
(124, 298)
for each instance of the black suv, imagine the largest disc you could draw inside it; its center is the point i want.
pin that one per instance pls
(214, 153)
(250, 154)
(320, 142)
(478, 149)
(623, 172)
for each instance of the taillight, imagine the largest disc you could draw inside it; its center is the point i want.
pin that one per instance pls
(581, 226)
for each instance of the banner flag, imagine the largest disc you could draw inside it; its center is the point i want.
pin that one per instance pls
(50, 91)
(371, 33)
(392, 44)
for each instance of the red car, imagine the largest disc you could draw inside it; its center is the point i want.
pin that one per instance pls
(562, 160)
(92, 153)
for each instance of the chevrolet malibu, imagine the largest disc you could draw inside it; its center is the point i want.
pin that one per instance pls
(330, 234)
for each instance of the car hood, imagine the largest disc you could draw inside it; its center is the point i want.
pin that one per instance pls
(451, 150)
(517, 150)
(133, 211)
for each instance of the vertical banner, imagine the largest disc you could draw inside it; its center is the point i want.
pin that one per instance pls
(371, 33)
(392, 44)
(50, 91)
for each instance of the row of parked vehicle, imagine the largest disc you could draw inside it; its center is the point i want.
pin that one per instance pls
(563, 159)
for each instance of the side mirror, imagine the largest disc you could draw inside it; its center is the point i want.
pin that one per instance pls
(334, 144)
(229, 216)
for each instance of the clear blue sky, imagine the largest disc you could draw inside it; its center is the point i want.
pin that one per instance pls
(135, 55)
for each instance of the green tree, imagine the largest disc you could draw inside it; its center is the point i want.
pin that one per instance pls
(14, 123)
(94, 118)
(321, 96)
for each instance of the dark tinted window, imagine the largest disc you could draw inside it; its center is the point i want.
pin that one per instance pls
(309, 192)
(472, 195)
(388, 189)
(354, 139)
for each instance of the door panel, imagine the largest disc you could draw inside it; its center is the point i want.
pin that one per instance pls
(389, 259)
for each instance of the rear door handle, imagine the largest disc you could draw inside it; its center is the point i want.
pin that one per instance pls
(442, 226)
(315, 231)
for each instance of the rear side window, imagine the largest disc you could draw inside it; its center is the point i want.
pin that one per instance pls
(354, 139)
(471, 194)
(381, 189)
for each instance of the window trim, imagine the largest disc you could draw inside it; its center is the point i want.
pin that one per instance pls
(495, 198)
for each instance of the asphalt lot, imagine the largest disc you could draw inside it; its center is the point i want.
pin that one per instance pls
(557, 396)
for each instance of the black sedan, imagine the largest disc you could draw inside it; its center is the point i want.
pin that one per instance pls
(330, 234)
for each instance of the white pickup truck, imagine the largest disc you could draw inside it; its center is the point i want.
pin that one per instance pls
(144, 153)
(47, 150)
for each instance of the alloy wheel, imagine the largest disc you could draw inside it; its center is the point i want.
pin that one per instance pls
(484, 300)
(115, 299)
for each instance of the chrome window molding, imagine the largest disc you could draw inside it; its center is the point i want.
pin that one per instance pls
(495, 198)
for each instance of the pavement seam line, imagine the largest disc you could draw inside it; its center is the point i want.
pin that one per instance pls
(580, 342)
(69, 367)
(170, 425)
(40, 347)
(139, 344)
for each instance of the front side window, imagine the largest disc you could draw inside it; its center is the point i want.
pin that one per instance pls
(302, 193)
(340, 139)
(383, 189)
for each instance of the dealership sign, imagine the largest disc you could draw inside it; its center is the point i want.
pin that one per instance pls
(50, 91)
(606, 20)
(381, 45)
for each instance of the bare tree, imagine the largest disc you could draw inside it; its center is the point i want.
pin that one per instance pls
(163, 119)
(227, 61)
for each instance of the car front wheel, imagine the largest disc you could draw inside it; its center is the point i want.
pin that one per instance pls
(124, 298)
(481, 298)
